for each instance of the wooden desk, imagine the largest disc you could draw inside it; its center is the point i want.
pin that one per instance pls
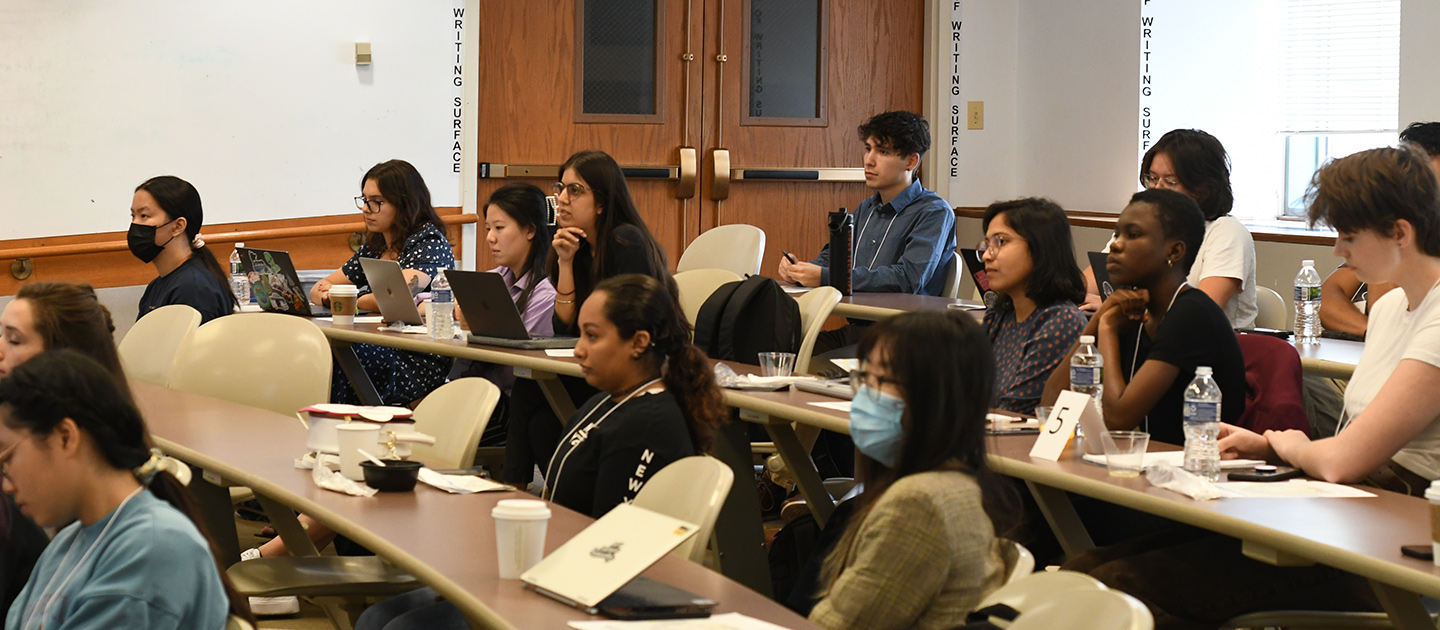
(878, 306)
(1335, 358)
(445, 540)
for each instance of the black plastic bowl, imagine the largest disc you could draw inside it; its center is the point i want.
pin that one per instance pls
(397, 475)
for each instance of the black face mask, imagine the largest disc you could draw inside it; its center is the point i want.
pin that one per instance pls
(141, 239)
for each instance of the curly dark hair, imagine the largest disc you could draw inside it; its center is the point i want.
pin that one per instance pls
(905, 132)
(1425, 135)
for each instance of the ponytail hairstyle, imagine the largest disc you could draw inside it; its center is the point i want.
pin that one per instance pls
(525, 204)
(401, 184)
(69, 315)
(179, 200)
(59, 384)
(637, 302)
(615, 208)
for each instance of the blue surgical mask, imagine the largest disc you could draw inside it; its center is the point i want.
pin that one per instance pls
(875, 424)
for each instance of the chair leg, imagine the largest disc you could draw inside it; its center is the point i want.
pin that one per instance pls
(335, 612)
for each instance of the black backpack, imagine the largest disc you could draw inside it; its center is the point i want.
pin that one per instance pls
(742, 319)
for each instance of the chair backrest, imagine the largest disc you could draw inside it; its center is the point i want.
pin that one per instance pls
(691, 489)
(1273, 312)
(456, 413)
(1087, 610)
(1036, 588)
(1274, 391)
(149, 348)
(735, 248)
(951, 289)
(236, 623)
(1019, 562)
(815, 307)
(267, 360)
(696, 285)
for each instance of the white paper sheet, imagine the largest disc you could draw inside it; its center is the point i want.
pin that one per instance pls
(560, 352)
(1177, 459)
(843, 405)
(727, 621)
(1292, 489)
(460, 484)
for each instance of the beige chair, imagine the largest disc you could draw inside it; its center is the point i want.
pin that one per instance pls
(692, 489)
(815, 307)
(1019, 562)
(734, 248)
(1036, 588)
(236, 623)
(267, 360)
(696, 285)
(1273, 311)
(149, 349)
(1086, 610)
(951, 289)
(456, 413)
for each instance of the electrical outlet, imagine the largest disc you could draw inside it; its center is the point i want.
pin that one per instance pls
(976, 117)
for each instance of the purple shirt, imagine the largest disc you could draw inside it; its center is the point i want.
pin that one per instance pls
(537, 317)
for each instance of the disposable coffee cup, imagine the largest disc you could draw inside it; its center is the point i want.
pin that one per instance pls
(519, 535)
(342, 303)
(1433, 495)
(350, 438)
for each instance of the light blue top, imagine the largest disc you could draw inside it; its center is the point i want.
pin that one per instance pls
(151, 570)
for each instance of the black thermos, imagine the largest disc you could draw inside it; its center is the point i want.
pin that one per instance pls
(842, 249)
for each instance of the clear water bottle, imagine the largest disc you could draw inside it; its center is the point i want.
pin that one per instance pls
(1307, 304)
(239, 282)
(1202, 425)
(1087, 369)
(442, 308)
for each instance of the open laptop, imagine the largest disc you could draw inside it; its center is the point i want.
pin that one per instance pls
(491, 313)
(277, 286)
(591, 567)
(976, 267)
(1102, 275)
(392, 293)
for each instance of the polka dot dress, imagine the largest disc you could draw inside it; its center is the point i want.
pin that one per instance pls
(1027, 352)
(399, 375)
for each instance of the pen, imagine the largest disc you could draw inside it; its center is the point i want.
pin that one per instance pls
(789, 257)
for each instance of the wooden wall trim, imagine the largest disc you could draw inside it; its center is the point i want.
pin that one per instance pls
(1105, 220)
(103, 260)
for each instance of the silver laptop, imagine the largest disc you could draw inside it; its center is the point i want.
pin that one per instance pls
(606, 555)
(492, 315)
(392, 293)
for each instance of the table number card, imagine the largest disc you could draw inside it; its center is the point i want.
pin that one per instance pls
(1071, 409)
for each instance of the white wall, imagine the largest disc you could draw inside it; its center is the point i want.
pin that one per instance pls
(1419, 58)
(989, 72)
(257, 103)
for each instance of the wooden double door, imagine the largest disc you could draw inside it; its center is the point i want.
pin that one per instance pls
(868, 56)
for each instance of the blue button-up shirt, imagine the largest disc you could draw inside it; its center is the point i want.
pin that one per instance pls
(900, 247)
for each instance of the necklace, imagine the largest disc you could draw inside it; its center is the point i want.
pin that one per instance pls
(1140, 330)
(552, 484)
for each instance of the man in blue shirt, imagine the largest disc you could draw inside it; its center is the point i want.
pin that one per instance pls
(904, 233)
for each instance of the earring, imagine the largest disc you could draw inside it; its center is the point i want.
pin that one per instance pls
(1169, 263)
(635, 355)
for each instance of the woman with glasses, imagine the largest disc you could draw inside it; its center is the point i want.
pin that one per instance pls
(1193, 162)
(920, 549)
(600, 235)
(400, 225)
(1031, 265)
(165, 221)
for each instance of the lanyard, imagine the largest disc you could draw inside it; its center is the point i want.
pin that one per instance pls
(52, 595)
(552, 484)
(1140, 330)
(882, 236)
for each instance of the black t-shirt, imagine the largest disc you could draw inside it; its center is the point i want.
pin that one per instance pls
(192, 285)
(1195, 332)
(629, 253)
(604, 460)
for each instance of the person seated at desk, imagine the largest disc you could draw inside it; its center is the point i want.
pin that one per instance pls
(1031, 264)
(658, 403)
(45, 316)
(1158, 332)
(131, 552)
(1194, 162)
(904, 233)
(400, 225)
(1345, 300)
(920, 549)
(165, 221)
(600, 235)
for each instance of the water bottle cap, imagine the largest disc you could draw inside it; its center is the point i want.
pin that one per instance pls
(1201, 370)
(239, 245)
(1307, 263)
(1087, 338)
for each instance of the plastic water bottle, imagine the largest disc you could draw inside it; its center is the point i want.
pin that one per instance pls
(1202, 425)
(442, 308)
(1307, 304)
(239, 282)
(1087, 369)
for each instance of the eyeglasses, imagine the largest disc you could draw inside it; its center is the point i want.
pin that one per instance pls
(7, 454)
(575, 190)
(1153, 181)
(369, 206)
(868, 379)
(995, 243)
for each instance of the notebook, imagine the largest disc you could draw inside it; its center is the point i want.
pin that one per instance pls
(277, 286)
(605, 556)
(491, 313)
(387, 284)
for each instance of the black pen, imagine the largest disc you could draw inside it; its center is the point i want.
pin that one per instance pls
(789, 257)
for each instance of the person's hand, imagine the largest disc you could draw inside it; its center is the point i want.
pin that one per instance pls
(567, 242)
(1123, 308)
(1091, 304)
(1285, 443)
(784, 270)
(320, 293)
(1238, 443)
(803, 273)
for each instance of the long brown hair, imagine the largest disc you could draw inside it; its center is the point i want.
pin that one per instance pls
(612, 198)
(69, 315)
(401, 184)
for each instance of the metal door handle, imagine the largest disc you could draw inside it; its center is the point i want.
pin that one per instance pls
(494, 170)
(720, 163)
(799, 174)
(689, 168)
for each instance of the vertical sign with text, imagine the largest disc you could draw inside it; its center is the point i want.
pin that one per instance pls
(1147, 35)
(457, 90)
(955, 121)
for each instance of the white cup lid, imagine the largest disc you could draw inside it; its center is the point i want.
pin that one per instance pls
(1433, 492)
(342, 290)
(521, 510)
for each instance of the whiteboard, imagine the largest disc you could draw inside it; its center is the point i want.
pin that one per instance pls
(258, 103)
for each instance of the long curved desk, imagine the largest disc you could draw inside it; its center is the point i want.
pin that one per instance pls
(445, 540)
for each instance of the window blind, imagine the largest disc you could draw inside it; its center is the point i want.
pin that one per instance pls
(1339, 67)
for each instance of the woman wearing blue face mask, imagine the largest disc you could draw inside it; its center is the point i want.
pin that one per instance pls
(920, 549)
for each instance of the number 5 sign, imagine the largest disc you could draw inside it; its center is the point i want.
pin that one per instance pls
(1071, 409)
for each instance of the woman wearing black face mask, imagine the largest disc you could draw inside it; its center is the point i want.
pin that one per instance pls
(165, 222)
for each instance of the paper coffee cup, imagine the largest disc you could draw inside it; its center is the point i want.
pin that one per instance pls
(350, 438)
(342, 303)
(1433, 495)
(519, 535)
